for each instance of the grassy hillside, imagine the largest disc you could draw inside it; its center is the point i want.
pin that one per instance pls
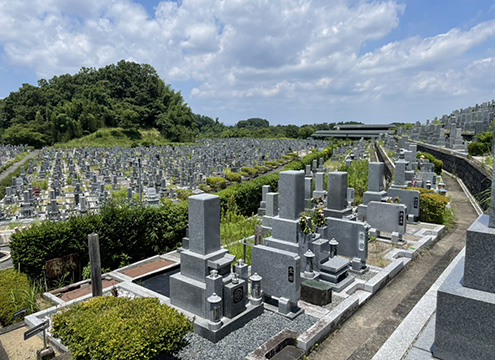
(118, 137)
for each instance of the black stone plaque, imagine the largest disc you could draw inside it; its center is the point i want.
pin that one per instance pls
(416, 202)
(401, 218)
(291, 274)
(238, 295)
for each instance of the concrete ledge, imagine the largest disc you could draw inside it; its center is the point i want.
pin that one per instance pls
(380, 279)
(275, 344)
(328, 323)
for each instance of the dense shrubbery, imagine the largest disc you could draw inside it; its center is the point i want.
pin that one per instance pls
(250, 170)
(216, 182)
(233, 177)
(483, 146)
(14, 294)
(438, 163)
(108, 327)
(432, 207)
(129, 233)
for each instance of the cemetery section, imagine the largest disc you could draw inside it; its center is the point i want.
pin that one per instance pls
(320, 246)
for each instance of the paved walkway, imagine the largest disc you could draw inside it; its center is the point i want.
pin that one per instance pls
(364, 333)
(14, 167)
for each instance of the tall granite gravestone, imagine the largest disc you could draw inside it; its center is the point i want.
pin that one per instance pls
(278, 261)
(337, 205)
(205, 286)
(375, 183)
(465, 322)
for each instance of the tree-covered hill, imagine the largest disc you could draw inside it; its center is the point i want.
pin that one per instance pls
(127, 95)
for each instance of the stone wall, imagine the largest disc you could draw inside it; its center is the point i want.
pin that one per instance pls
(389, 167)
(476, 178)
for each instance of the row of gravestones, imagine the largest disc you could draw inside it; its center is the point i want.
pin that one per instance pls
(474, 120)
(9, 152)
(148, 171)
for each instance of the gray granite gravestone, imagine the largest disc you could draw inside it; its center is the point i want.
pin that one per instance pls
(465, 327)
(337, 205)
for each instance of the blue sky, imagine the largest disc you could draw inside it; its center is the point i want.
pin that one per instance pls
(289, 61)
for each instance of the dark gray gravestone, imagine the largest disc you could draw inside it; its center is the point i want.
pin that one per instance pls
(94, 258)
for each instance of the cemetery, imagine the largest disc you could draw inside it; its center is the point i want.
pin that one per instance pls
(317, 257)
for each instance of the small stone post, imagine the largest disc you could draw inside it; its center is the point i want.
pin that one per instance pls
(94, 259)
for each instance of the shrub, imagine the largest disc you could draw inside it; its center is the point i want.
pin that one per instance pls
(136, 231)
(233, 177)
(438, 163)
(182, 195)
(261, 168)
(14, 291)
(478, 148)
(108, 327)
(357, 178)
(272, 164)
(432, 207)
(216, 182)
(204, 187)
(250, 170)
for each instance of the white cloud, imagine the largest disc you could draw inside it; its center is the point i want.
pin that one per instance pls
(240, 52)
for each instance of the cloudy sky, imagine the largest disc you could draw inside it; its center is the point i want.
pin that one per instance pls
(289, 61)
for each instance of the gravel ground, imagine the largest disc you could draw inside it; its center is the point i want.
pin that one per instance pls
(238, 344)
(368, 275)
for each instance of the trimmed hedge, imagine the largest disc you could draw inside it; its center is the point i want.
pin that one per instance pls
(126, 233)
(250, 170)
(438, 163)
(216, 182)
(13, 285)
(233, 177)
(478, 148)
(432, 207)
(108, 327)
(247, 195)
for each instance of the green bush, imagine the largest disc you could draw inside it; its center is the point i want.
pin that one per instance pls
(216, 182)
(135, 231)
(438, 163)
(204, 187)
(14, 288)
(261, 168)
(233, 177)
(432, 207)
(182, 195)
(108, 327)
(272, 164)
(478, 148)
(250, 170)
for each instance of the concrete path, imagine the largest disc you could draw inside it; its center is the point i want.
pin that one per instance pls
(14, 167)
(364, 333)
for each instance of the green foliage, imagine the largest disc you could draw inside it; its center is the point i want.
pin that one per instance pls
(128, 95)
(204, 187)
(136, 231)
(272, 163)
(438, 163)
(357, 178)
(216, 182)
(478, 148)
(42, 184)
(15, 294)
(250, 170)
(182, 195)
(108, 327)
(233, 177)
(261, 168)
(432, 207)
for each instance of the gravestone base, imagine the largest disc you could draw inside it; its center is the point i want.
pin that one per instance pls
(316, 292)
(228, 325)
(464, 320)
(273, 304)
(339, 214)
(358, 266)
(396, 238)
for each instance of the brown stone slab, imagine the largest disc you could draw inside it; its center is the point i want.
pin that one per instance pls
(146, 268)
